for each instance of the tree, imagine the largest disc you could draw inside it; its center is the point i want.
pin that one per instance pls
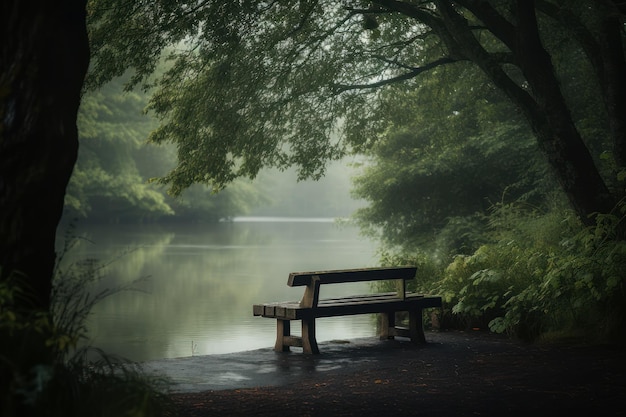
(111, 179)
(44, 58)
(436, 172)
(107, 183)
(268, 83)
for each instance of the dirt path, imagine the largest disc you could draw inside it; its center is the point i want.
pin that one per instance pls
(457, 374)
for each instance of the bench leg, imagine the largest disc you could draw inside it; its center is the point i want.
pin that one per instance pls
(283, 330)
(416, 327)
(387, 325)
(309, 343)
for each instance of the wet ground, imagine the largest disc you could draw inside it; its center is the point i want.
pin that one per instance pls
(264, 367)
(456, 374)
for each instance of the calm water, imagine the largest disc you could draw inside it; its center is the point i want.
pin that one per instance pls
(201, 281)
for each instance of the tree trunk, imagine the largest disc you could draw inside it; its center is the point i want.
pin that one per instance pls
(553, 125)
(543, 103)
(44, 58)
(613, 83)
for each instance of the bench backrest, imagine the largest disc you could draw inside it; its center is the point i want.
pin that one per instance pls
(352, 275)
(313, 280)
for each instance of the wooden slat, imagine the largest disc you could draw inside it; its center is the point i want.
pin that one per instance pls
(389, 296)
(352, 275)
(364, 300)
(350, 306)
(295, 341)
(360, 302)
(366, 308)
(258, 309)
(359, 296)
(269, 309)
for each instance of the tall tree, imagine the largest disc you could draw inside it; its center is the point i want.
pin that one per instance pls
(436, 172)
(268, 83)
(44, 55)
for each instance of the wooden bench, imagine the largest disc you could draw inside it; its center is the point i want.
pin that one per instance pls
(312, 307)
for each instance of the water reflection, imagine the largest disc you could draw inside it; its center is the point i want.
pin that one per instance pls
(203, 280)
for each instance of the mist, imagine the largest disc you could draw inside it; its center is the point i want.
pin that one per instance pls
(328, 197)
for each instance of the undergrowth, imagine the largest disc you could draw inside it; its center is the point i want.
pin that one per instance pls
(44, 372)
(539, 275)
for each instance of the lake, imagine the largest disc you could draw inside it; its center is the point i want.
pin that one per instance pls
(197, 283)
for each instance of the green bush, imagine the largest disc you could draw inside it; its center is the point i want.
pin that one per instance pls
(480, 288)
(44, 373)
(543, 273)
(429, 271)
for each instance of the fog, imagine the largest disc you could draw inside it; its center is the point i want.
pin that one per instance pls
(327, 197)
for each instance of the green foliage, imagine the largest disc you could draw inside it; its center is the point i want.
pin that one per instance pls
(44, 373)
(586, 280)
(232, 100)
(542, 273)
(539, 273)
(107, 182)
(453, 148)
(111, 180)
(297, 83)
(255, 84)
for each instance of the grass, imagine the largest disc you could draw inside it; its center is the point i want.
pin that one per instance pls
(44, 373)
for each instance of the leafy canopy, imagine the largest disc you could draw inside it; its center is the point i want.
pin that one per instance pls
(454, 148)
(255, 84)
(282, 83)
(111, 179)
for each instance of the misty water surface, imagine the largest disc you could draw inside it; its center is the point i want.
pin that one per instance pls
(198, 283)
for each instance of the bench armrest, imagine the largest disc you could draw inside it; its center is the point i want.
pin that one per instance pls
(311, 293)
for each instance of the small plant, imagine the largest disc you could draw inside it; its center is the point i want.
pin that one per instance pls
(543, 273)
(43, 372)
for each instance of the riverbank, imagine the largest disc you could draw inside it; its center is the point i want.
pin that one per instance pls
(455, 374)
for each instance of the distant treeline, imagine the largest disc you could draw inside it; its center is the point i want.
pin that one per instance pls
(112, 178)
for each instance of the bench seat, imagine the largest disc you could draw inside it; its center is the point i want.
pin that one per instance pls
(345, 306)
(312, 307)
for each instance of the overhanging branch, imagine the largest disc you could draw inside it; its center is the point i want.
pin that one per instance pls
(412, 73)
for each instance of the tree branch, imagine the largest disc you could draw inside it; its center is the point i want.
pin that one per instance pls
(426, 17)
(497, 24)
(305, 16)
(353, 10)
(414, 72)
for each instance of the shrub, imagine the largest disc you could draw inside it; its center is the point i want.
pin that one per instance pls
(543, 273)
(44, 373)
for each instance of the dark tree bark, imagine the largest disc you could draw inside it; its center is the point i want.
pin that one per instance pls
(603, 45)
(612, 75)
(44, 55)
(554, 127)
(542, 102)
